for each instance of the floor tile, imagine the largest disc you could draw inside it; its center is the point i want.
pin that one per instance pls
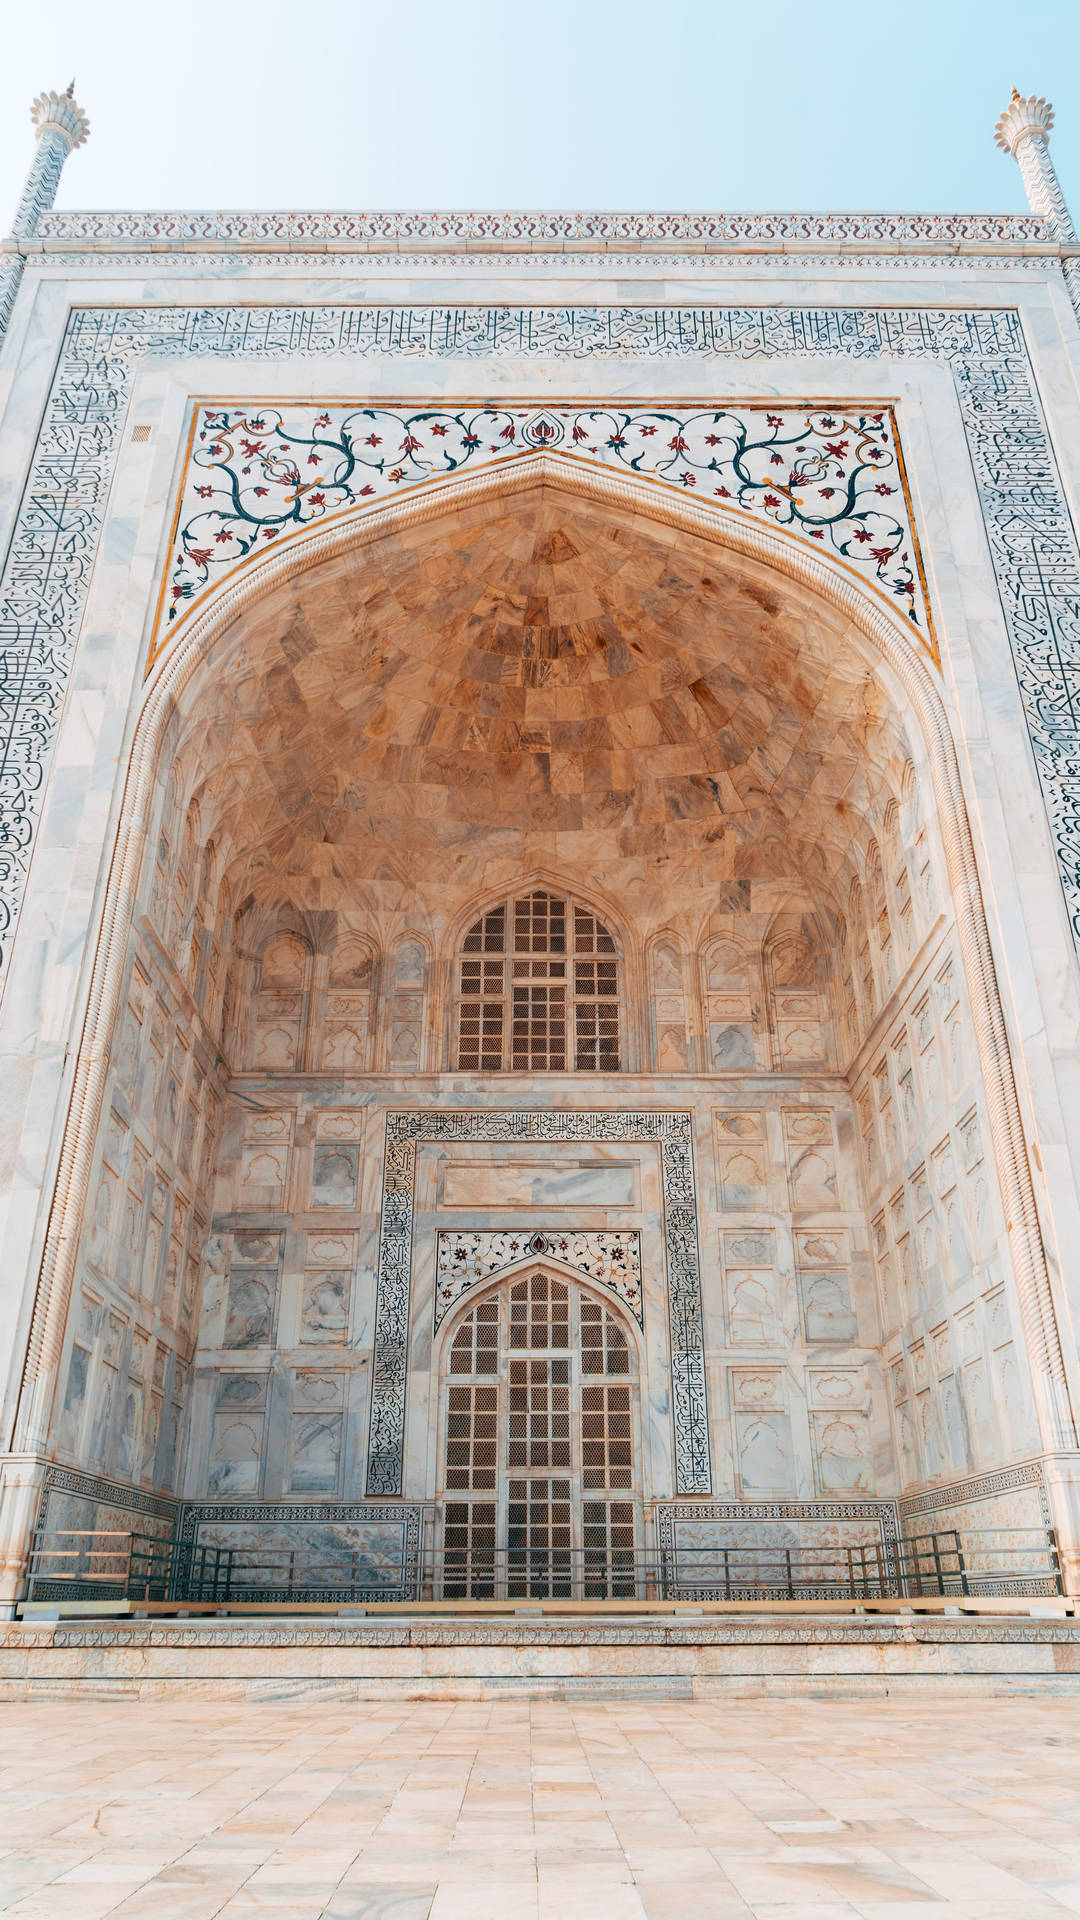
(541, 1810)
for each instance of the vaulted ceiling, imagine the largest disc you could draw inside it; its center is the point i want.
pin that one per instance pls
(541, 682)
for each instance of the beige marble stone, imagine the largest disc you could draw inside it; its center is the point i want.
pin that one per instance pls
(647, 1809)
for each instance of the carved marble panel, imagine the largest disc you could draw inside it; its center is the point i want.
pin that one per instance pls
(347, 1550)
(464, 1260)
(713, 1550)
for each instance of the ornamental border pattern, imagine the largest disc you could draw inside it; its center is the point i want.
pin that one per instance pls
(92, 1486)
(598, 226)
(407, 1514)
(593, 1251)
(672, 1512)
(982, 1487)
(672, 1133)
(873, 1630)
(57, 529)
(320, 262)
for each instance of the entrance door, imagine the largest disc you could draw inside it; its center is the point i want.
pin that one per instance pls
(540, 1454)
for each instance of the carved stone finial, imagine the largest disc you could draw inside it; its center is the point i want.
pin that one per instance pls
(1024, 131)
(1029, 119)
(60, 113)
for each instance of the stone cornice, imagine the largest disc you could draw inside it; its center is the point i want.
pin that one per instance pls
(590, 233)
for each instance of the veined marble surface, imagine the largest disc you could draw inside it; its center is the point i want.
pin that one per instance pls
(643, 1808)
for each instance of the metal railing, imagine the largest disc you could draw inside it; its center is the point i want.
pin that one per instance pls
(997, 1561)
(107, 1564)
(137, 1566)
(992, 1561)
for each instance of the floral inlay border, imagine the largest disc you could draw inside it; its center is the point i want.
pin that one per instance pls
(465, 1260)
(258, 473)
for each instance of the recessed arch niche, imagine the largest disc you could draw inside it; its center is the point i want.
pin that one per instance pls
(720, 738)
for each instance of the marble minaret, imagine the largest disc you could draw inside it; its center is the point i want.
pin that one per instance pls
(60, 125)
(1024, 131)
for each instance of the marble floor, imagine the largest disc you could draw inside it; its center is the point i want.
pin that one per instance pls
(541, 1810)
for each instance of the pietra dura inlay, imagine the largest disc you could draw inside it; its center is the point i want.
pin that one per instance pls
(465, 1260)
(257, 473)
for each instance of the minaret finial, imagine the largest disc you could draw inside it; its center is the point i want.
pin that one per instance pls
(1024, 120)
(61, 113)
(1024, 131)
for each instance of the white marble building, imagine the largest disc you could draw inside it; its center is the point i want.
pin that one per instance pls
(540, 881)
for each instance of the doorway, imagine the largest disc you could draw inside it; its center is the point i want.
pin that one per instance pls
(540, 1454)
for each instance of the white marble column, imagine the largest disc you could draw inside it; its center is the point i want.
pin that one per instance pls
(60, 126)
(1024, 131)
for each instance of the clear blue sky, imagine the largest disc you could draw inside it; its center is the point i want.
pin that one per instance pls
(579, 103)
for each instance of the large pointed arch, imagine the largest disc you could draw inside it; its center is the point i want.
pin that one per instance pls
(878, 637)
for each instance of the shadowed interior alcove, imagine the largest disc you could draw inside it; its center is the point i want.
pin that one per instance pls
(543, 696)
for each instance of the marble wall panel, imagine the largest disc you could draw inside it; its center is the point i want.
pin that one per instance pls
(1000, 1521)
(559, 1181)
(712, 1549)
(763, 1447)
(336, 1550)
(75, 1505)
(140, 1261)
(324, 1314)
(742, 1161)
(334, 1175)
(252, 1307)
(936, 1231)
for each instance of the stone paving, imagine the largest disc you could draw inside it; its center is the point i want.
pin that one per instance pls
(541, 1810)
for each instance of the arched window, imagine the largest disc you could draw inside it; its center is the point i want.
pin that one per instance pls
(538, 990)
(539, 1405)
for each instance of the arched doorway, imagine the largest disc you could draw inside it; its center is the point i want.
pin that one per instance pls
(541, 1453)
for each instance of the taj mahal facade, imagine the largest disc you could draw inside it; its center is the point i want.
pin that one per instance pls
(539, 902)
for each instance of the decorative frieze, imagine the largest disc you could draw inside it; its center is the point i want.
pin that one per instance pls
(257, 474)
(594, 229)
(465, 1260)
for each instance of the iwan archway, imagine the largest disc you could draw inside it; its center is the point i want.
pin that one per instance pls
(530, 744)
